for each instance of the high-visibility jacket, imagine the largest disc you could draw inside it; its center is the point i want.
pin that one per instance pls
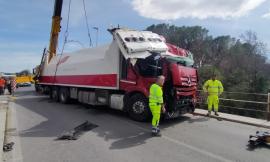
(156, 95)
(2, 82)
(213, 87)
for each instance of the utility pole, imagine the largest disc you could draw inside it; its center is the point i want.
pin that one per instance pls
(96, 28)
(56, 27)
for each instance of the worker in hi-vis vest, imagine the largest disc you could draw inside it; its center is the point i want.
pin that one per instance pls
(156, 104)
(214, 89)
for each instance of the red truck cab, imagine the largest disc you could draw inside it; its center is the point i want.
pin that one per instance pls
(179, 89)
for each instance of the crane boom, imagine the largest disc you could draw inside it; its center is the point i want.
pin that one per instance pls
(56, 27)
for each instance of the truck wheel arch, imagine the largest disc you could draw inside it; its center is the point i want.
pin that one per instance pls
(137, 106)
(128, 96)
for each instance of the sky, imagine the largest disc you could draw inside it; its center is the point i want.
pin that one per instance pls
(25, 24)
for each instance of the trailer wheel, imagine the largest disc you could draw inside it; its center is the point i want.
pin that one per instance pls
(55, 94)
(64, 95)
(50, 93)
(138, 108)
(36, 88)
(39, 89)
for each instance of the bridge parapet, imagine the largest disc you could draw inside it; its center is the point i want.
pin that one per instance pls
(256, 105)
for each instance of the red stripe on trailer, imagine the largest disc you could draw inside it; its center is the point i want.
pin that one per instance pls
(106, 80)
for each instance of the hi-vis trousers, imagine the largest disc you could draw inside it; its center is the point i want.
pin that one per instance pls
(156, 110)
(213, 100)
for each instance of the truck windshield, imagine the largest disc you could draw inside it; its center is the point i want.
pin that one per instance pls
(150, 66)
(184, 61)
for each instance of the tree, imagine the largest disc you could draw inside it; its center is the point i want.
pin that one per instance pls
(24, 73)
(242, 61)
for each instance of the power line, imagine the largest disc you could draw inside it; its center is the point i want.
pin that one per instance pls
(67, 28)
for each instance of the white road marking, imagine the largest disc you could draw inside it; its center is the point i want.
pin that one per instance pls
(203, 152)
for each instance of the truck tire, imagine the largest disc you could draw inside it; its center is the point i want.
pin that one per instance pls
(138, 108)
(39, 89)
(64, 95)
(55, 94)
(36, 88)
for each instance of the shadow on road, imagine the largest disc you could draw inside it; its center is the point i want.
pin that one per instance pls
(253, 148)
(131, 141)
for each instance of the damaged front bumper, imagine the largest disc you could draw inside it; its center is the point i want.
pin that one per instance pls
(180, 107)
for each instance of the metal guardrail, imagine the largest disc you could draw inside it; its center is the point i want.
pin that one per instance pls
(224, 99)
(266, 111)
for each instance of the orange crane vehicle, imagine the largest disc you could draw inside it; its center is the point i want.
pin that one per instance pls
(119, 74)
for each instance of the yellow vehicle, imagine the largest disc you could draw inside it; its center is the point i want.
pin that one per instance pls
(24, 80)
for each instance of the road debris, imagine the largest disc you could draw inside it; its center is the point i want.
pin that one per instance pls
(77, 131)
(8, 146)
(261, 138)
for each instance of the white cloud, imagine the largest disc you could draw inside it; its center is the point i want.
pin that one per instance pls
(267, 15)
(201, 9)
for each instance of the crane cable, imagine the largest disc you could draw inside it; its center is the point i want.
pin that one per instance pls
(64, 43)
(87, 24)
(67, 28)
(67, 34)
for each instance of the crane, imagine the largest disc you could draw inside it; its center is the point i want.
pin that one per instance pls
(56, 27)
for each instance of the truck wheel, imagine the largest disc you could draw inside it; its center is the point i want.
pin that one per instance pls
(64, 95)
(36, 88)
(138, 108)
(55, 94)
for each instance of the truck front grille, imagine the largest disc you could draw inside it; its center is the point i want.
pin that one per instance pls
(189, 81)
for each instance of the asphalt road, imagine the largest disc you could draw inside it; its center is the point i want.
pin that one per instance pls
(119, 139)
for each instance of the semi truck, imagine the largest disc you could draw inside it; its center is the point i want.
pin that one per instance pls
(120, 74)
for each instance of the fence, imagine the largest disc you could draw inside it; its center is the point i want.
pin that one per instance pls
(255, 105)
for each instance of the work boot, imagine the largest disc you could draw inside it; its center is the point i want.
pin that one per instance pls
(216, 113)
(158, 134)
(158, 130)
(209, 113)
(155, 132)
